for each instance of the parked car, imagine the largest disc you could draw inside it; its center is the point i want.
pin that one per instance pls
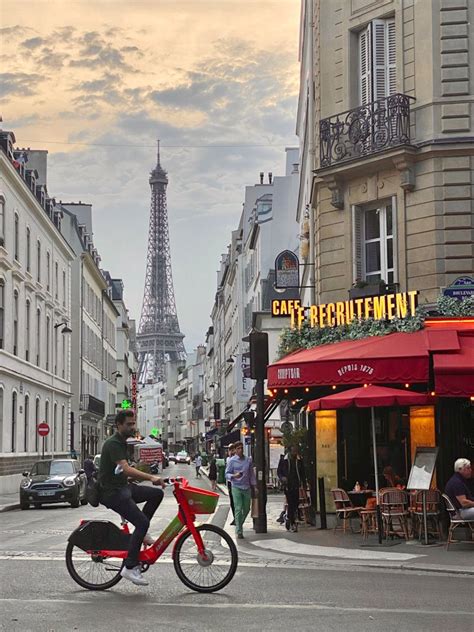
(53, 481)
(183, 457)
(171, 457)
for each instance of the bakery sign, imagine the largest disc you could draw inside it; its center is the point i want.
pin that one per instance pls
(383, 307)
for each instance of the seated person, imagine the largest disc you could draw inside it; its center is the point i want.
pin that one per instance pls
(458, 490)
(392, 479)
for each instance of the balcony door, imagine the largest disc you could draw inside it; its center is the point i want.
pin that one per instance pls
(377, 61)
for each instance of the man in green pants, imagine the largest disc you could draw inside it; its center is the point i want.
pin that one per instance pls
(240, 473)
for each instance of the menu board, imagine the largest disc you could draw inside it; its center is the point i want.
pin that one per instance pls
(422, 470)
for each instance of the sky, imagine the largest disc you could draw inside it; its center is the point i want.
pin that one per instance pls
(96, 82)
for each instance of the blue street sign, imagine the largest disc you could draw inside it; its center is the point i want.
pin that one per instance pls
(463, 287)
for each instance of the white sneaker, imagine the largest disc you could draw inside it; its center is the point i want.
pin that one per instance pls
(134, 575)
(148, 540)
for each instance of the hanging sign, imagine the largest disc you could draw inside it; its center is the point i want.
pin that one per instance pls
(134, 392)
(287, 270)
(461, 288)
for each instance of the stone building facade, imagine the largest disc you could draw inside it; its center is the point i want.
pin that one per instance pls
(386, 123)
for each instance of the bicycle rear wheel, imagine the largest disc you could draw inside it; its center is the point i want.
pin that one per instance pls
(92, 571)
(211, 572)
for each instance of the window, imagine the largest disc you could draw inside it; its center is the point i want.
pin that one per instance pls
(28, 250)
(63, 429)
(55, 427)
(377, 61)
(56, 280)
(48, 271)
(14, 418)
(48, 341)
(27, 330)
(55, 359)
(1, 419)
(38, 261)
(63, 342)
(374, 244)
(2, 221)
(64, 287)
(2, 311)
(37, 422)
(27, 424)
(46, 419)
(38, 336)
(16, 240)
(15, 322)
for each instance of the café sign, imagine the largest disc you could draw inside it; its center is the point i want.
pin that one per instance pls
(384, 307)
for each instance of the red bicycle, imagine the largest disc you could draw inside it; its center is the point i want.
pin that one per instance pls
(205, 556)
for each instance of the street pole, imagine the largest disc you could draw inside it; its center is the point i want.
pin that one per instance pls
(261, 521)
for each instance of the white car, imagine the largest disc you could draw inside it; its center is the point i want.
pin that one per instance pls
(183, 457)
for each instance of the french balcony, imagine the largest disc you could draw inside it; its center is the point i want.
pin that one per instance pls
(365, 130)
(92, 405)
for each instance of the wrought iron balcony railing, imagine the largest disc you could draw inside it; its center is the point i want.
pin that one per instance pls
(365, 130)
(93, 405)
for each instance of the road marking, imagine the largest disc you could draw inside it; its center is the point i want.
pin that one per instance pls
(254, 606)
(282, 545)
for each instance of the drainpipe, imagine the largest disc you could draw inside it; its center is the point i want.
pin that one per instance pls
(312, 249)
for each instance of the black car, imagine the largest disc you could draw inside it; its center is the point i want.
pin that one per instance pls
(54, 481)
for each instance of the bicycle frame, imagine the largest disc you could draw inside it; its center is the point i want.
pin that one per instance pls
(183, 521)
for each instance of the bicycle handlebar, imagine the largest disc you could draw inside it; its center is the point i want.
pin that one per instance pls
(177, 479)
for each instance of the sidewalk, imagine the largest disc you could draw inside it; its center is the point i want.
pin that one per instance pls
(8, 502)
(314, 544)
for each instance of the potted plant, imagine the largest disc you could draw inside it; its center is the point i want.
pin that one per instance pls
(362, 288)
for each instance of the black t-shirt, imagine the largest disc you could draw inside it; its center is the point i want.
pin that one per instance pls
(457, 486)
(113, 450)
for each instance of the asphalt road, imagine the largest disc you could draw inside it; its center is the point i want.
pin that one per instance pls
(37, 593)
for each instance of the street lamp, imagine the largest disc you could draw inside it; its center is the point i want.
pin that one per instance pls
(116, 373)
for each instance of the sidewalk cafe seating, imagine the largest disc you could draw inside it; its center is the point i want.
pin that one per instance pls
(394, 508)
(456, 521)
(345, 511)
(368, 521)
(433, 512)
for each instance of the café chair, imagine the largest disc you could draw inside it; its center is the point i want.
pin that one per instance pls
(455, 521)
(394, 509)
(433, 512)
(345, 511)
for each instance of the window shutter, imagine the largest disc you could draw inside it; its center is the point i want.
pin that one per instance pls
(357, 269)
(365, 65)
(391, 58)
(379, 56)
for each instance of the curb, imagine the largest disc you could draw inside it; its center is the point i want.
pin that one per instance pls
(10, 507)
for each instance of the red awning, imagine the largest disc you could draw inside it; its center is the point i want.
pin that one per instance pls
(396, 358)
(454, 370)
(366, 397)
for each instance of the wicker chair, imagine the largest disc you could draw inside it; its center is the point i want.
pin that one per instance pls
(345, 511)
(394, 508)
(455, 521)
(433, 512)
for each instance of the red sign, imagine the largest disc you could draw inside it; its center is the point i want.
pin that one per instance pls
(150, 455)
(43, 429)
(134, 392)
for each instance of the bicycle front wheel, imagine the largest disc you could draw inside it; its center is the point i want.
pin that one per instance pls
(212, 571)
(92, 571)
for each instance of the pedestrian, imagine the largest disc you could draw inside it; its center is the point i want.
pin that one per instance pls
(198, 464)
(90, 469)
(117, 494)
(292, 476)
(213, 473)
(240, 472)
(230, 454)
(458, 491)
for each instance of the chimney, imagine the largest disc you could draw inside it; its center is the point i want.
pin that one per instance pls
(261, 177)
(270, 177)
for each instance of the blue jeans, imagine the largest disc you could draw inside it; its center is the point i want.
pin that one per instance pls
(124, 502)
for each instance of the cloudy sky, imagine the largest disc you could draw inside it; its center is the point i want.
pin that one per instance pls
(96, 82)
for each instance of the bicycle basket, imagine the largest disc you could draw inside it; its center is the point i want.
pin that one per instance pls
(199, 500)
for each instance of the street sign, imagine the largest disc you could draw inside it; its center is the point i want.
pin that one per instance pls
(286, 426)
(134, 392)
(287, 270)
(126, 404)
(43, 429)
(155, 432)
(461, 288)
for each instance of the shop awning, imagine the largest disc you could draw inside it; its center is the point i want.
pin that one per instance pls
(395, 358)
(454, 370)
(370, 396)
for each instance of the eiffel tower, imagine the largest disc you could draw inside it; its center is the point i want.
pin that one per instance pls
(159, 338)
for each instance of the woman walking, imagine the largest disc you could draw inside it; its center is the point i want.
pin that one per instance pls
(213, 473)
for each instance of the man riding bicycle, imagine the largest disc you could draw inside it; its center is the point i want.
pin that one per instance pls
(118, 494)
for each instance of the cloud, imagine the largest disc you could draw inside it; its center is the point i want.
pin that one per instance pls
(20, 83)
(33, 42)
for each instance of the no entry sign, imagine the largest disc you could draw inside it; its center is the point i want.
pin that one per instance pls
(43, 430)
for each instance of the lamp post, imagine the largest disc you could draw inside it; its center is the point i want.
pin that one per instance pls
(65, 330)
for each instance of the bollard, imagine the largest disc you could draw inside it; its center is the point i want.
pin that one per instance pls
(322, 503)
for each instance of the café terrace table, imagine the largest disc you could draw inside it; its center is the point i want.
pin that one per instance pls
(359, 499)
